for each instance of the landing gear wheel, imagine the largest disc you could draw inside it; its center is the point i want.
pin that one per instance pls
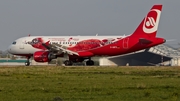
(68, 63)
(27, 63)
(89, 63)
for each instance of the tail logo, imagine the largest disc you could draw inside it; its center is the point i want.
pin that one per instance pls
(151, 21)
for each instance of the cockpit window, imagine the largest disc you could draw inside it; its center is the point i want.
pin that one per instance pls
(34, 41)
(14, 43)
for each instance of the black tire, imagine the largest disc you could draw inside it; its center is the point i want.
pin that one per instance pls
(68, 63)
(89, 63)
(27, 63)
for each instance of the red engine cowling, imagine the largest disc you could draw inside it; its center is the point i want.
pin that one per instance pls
(41, 56)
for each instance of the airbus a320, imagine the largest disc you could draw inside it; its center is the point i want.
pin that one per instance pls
(79, 48)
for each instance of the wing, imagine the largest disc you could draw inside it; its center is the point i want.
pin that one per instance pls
(50, 47)
(57, 48)
(64, 49)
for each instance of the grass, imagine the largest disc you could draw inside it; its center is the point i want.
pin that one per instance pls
(46, 83)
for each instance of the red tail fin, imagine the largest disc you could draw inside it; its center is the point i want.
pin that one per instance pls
(148, 27)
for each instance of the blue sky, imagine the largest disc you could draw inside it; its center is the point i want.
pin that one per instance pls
(83, 17)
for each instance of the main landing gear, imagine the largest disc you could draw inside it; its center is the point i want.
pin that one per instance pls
(90, 62)
(68, 63)
(27, 63)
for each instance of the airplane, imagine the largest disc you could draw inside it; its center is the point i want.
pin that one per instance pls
(80, 48)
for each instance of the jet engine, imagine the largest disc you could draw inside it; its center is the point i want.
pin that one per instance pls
(43, 56)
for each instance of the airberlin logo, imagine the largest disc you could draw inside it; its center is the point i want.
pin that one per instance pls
(151, 21)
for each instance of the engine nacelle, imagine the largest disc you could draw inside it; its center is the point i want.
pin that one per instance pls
(43, 56)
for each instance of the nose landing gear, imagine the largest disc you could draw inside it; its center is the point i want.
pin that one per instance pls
(27, 63)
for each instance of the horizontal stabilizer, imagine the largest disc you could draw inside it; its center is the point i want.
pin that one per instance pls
(144, 41)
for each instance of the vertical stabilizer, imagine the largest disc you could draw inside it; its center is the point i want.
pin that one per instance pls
(149, 25)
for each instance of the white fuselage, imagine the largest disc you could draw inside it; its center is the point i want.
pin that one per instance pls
(21, 46)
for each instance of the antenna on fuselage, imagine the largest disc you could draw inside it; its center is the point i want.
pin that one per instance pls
(29, 35)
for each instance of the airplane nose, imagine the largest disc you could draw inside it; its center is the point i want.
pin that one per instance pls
(9, 49)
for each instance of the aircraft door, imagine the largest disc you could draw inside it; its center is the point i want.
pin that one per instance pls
(126, 43)
(21, 45)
